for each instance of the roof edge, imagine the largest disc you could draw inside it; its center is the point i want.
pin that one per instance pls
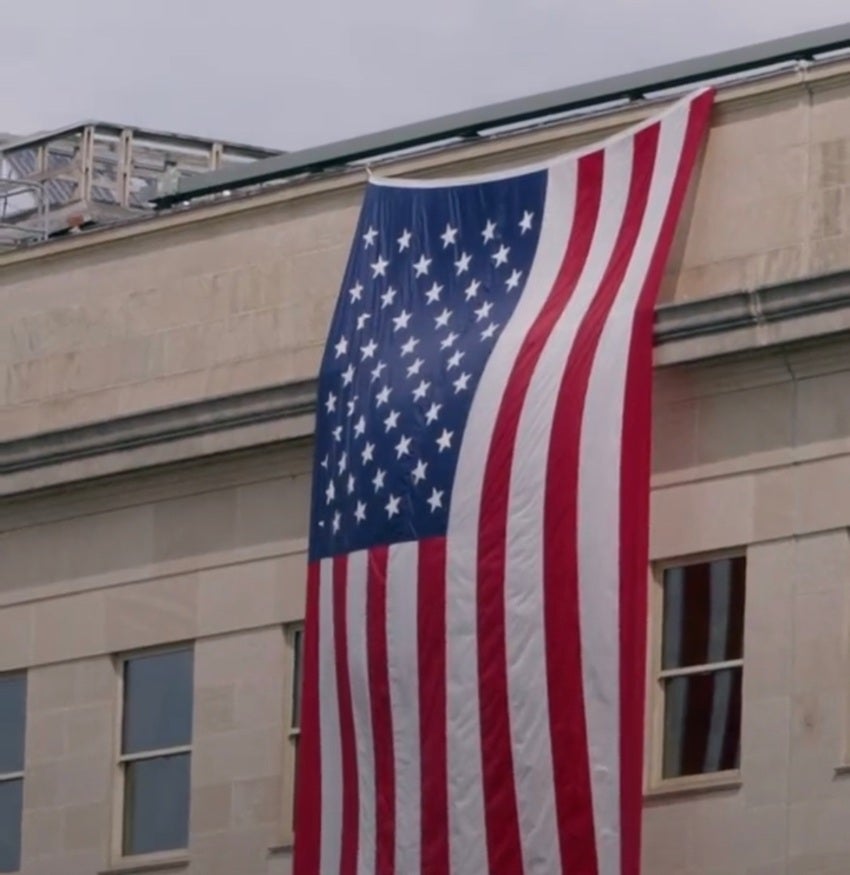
(629, 86)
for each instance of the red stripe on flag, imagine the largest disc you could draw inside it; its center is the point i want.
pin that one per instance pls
(382, 721)
(504, 850)
(431, 608)
(308, 781)
(570, 751)
(348, 752)
(634, 504)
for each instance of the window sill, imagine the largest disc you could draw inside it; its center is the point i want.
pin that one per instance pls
(695, 785)
(148, 863)
(842, 771)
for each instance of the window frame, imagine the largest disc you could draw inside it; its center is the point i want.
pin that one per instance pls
(18, 775)
(294, 639)
(654, 781)
(121, 760)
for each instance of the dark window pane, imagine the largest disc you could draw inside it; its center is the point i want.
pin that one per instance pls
(156, 804)
(11, 794)
(704, 613)
(13, 706)
(297, 647)
(157, 701)
(702, 723)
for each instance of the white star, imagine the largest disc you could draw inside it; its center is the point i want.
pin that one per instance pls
(525, 221)
(343, 461)
(513, 280)
(349, 405)
(443, 319)
(356, 292)
(501, 256)
(388, 297)
(421, 389)
(421, 267)
(324, 462)
(368, 351)
(483, 311)
(360, 426)
(461, 382)
(433, 294)
(391, 421)
(471, 291)
(409, 345)
(448, 340)
(489, 232)
(341, 347)
(402, 448)
(401, 320)
(378, 479)
(330, 492)
(444, 441)
(348, 375)
(489, 331)
(414, 368)
(376, 371)
(362, 319)
(330, 404)
(391, 507)
(379, 267)
(448, 236)
(369, 237)
(383, 396)
(462, 264)
(404, 240)
(360, 512)
(337, 433)
(454, 359)
(350, 487)
(436, 499)
(419, 471)
(433, 413)
(368, 453)
(336, 521)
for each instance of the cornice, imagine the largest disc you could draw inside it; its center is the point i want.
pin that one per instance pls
(687, 333)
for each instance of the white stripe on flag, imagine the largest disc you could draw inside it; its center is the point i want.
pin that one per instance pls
(467, 833)
(403, 665)
(526, 522)
(361, 709)
(331, 756)
(599, 510)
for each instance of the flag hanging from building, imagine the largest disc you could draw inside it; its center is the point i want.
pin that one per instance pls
(475, 632)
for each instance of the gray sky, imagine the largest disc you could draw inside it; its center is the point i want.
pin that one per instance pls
(287, 74)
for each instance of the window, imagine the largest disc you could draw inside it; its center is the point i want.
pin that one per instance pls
(156, 736)
(701, 667)
(295, 641)
(13, 708)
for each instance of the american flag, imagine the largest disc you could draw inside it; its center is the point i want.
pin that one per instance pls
(475, 631)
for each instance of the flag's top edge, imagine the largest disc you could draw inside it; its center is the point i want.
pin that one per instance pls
(548, 163)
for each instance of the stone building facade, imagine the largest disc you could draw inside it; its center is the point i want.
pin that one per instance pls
(156, 392)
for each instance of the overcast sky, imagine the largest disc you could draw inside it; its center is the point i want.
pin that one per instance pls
(290, 74)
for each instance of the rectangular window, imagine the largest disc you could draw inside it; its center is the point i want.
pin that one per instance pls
(13, 710)
(156, 750)
(702, 664)
(295, 707)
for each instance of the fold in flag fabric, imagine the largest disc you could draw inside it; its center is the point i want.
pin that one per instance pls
(475, 628)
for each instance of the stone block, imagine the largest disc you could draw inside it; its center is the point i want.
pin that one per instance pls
(152, 612)
(195, 524)
(211, 808)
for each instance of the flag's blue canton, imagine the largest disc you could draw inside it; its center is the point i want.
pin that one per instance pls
(433, 277)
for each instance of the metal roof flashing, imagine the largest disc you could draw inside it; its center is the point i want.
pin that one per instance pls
(623, 89)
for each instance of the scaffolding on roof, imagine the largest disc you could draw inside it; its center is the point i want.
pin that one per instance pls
(95, 173)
